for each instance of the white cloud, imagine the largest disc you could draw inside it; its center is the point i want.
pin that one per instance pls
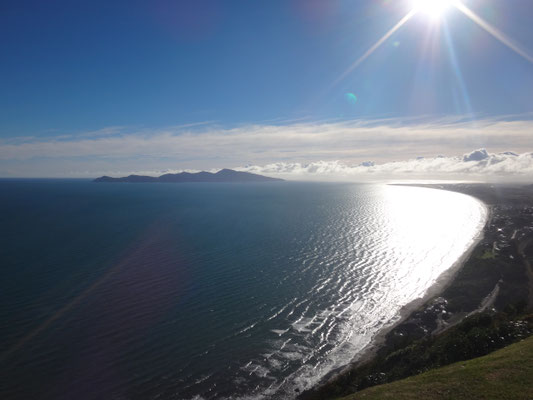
(478, 164)
(344, 146)
(476, 155)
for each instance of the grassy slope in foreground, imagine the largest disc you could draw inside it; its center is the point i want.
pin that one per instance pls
(504, 374)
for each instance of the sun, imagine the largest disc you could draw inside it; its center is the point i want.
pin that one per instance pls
(434, 9)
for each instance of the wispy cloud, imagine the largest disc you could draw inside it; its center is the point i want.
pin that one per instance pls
(319, 144)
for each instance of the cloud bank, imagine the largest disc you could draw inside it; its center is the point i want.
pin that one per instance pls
(477, 165)
(301, 149)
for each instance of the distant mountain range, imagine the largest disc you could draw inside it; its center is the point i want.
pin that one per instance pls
(224, 175)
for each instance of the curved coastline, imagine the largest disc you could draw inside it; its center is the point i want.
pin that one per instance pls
(447, 277)
(437, 288)
(445, 280)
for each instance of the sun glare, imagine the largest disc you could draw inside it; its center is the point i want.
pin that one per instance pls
(434, 9)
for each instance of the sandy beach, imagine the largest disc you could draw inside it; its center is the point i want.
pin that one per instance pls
(493, 274)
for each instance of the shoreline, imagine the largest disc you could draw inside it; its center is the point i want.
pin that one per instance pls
(434, 291)
(444, 280)
(432, 306)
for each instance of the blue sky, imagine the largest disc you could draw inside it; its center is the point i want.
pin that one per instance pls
(75, 72)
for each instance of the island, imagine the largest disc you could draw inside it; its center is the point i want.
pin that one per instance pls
(224, 175)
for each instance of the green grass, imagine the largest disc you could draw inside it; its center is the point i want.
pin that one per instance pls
(505, 374)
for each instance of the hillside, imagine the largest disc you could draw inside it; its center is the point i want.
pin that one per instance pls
(504, 374)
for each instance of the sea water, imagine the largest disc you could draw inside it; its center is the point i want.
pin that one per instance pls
(182, 291)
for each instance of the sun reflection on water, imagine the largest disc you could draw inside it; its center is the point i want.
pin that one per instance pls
(422, 220)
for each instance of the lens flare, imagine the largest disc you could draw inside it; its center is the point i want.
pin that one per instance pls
(493, 31)
(351, 98)
(435, 10)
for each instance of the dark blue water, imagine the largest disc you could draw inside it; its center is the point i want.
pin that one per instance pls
(144, 291)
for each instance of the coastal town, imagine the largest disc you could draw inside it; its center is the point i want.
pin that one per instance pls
(484, 306)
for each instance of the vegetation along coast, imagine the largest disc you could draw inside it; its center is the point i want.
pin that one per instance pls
(485, 306)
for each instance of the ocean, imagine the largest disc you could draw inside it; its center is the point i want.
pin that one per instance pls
(209, 291)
